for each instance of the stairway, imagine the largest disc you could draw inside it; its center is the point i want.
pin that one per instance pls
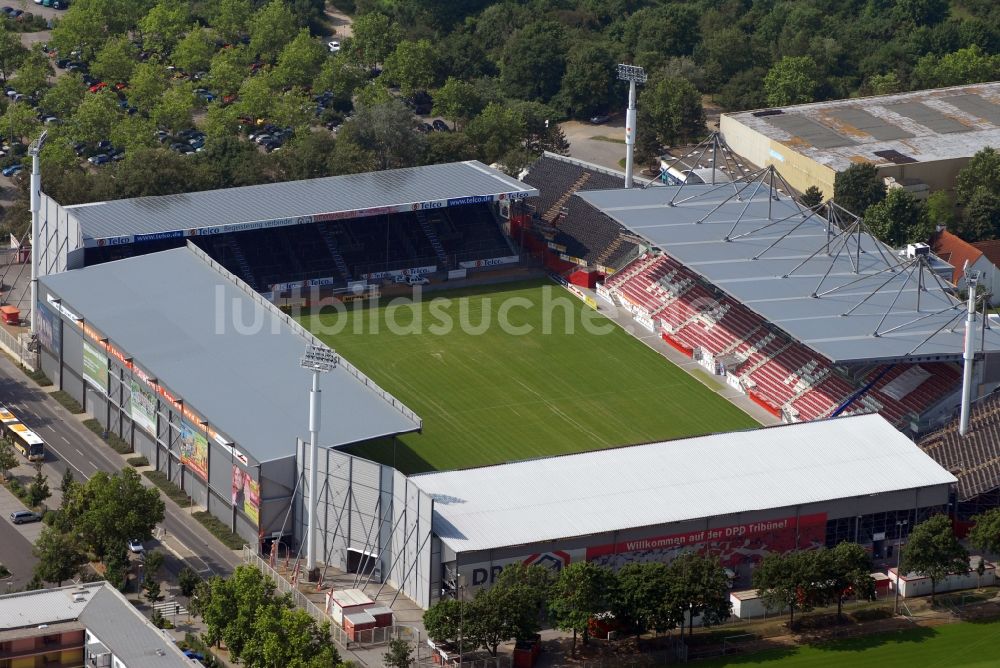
(553, 212)
(428, 228)
(241, 262)
(331, 245)
(609, 251)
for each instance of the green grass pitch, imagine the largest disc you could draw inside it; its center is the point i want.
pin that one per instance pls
(963, 645)
(495, 396)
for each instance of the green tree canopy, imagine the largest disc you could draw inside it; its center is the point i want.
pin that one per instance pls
(533, 61)
(146, 86)
(496, 131)
(375, 37)
(985, 532)
(227, 71)
(934, 552)
(32, 77)
(443, 620)
(60, 556)
(8, 458)
(582, 590)
(699, 586)
(458, 101)
(792, 80)
(388, 131)
(858, 187)
(672, 109)
(194, 51)
(412, 66)
(165, 24)
(792, 581)
(899, 219)
(300, 61)
(271, 28)
(12, 52)
(590, 82)
(176, 108)
(642, 600)
(232, 18)
(115, 61)
(811, 197)
(20, 121)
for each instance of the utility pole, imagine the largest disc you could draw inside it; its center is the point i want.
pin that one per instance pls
(36, 190)
(968, 356)
(318, 359)
(633, 74)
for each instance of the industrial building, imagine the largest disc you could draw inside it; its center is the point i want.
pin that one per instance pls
(738, 495)
(919, 139)
(89, 624)
(202, 376)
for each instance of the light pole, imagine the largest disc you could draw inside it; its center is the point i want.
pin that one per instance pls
(36, 188)
(899, 551)
(968, 355)
(633, 74)
(318, 359)
(461, 617)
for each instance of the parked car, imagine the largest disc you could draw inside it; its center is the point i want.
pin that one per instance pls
(191, 654)
(12, 169)
(135, 546)
(104, 145)
(425, 127)
(99, 159)
(411, 279)
(97, 87)
(599, 119)
(24, 516)
(440, 125)
(333, 45)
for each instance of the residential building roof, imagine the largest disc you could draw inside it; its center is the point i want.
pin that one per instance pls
(991, 249)
(674, 481)
(956, 251)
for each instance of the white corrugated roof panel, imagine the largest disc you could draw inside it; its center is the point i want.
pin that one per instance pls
(675, 481)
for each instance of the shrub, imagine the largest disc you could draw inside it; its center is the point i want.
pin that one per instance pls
(173, 492)
(219, 530)
(67, 402)
(137, 461)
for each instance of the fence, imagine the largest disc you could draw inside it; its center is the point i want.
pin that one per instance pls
(370, 637)
(479, 662)
(18, 348)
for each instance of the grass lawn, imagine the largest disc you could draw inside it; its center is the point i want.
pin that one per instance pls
(496, 396)
(963, 645)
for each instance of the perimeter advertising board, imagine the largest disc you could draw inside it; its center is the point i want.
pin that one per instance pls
(95, 367)
(246, 494)
(485, 574)
(142, 407)
(194, 450)
(47, 328)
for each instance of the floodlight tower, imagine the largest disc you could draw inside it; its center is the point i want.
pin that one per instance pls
(318, 359)
(972, 280)
(36, 189)
(633, 74)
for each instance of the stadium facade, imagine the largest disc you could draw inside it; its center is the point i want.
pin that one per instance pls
(922, 139)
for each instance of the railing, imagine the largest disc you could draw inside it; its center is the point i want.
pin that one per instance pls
(18, 349)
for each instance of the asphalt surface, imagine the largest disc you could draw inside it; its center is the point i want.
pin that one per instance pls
(72, 445)
(15, 554)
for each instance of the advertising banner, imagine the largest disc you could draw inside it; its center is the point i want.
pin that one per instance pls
(246, 494)
(194, 450)
(484, 574)
(95, 367)
(733, 545)
(47, 328)
(142, 407)
(414, 271)
(491, 262)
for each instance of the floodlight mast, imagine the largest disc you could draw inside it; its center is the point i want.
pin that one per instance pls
(318, 359)
(968, 356)
(633, 74)
(36, 189)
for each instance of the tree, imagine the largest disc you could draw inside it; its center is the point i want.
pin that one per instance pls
(388, 131)
(232, 18)
(443, 620)
(164, 24)
(399, 655)
(375, 37)
(307, 156)
(227, 71)
(38, 490)
(109, 509)
(230, 607)
(33, 75)
(496, 131)
(146, 86)
(20, 120)
(940, 209)
(985, 532)
(899, 219)
(981, 216)
(457, 101)
(885, 84)
(934, 552)
(256, 98)
(176, 108)
(589, 85)
(448, 147)
(8, 457)
(286, 636)
(511, 608)
(271, 28)
(12, 52)
(641, 598)
(60, 556)
(533, 61)
(582, 590)
(788, 580)
(811, 197)
(850, 574)
(188, 581)
(300, 61)
(65, 95)
(792, 80)
(194, 52)
(133, 132)
(152, 589)
(672, 109)
(341, 77)
(699, 586)
(153, 562)
(95, 117)
(294, 108)
(412, 66)
(982, 172)
(115, 61)
(858, 187)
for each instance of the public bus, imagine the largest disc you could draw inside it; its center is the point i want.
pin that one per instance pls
(27, 442)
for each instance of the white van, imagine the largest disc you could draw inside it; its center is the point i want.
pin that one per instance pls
(412, 279)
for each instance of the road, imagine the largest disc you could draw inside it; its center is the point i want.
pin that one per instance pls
(70, 444)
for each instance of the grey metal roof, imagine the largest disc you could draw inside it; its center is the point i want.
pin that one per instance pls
(292, 202)
(43, 606)
(660, 483)
(174, 313)
(134, 641)
(766, 266)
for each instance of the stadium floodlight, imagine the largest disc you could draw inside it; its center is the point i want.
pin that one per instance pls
(318, 359)
(968, 354)
(633, 74)
(36, 188)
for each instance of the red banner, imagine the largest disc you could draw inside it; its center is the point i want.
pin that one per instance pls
(733, 545)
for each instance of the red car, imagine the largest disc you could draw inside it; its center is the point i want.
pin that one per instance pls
(99, 86)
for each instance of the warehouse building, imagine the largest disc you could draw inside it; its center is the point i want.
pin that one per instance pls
(919, 139)
(739, 496)
(202, 376)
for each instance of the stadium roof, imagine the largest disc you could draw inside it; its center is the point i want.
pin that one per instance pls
(188, 324)
(773, 255)
(294, 202)
(921, 126)
(660, 483)
(975, 457)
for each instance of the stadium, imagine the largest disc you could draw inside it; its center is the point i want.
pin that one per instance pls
(160, 315)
